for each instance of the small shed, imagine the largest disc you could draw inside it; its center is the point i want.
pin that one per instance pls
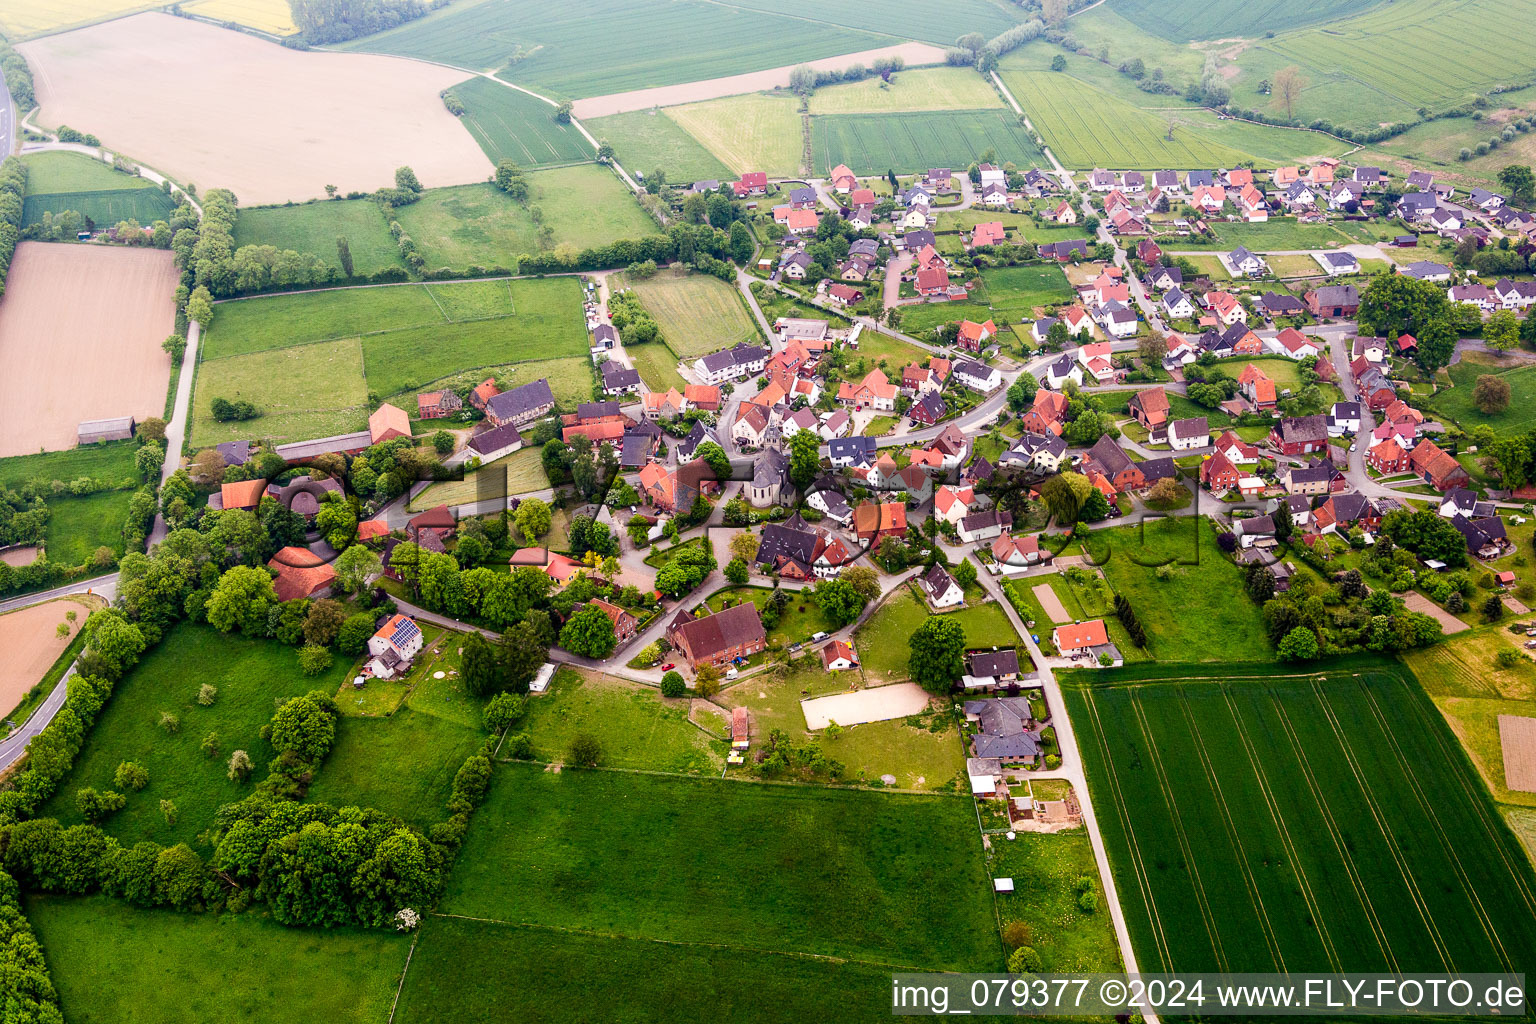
(118, 428)
(541, 681)
(741, 729)
(1002, 885)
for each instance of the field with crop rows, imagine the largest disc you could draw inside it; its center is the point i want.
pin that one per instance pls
(1326, 820)
(59, 181)
(1225, 19)
(592, 49)
(511, 125)
(873, 143)
(644, 140)
(1384, 64)
(755, 132)
(1089, 128)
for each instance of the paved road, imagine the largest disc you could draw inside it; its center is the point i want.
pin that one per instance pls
(8, 117)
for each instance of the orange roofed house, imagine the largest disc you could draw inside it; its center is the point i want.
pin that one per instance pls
(240, 494)
(1088, 640)
(388, 421)
(873, 523)
(300, 573)
(679, 489)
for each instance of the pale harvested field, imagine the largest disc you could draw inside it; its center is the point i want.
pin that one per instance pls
(80, 334)
(225, 109)
(1416, 602)
(755, 81)
(31, 645)
(1051, 604)
(1517, 737)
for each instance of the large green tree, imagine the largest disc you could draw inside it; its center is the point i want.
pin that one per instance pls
(938, 653)
(589, 632)
(241, 599)
(804, 457)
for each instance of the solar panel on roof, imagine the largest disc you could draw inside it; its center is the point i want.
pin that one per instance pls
(404, 633)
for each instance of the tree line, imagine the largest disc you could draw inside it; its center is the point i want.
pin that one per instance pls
(13, 190)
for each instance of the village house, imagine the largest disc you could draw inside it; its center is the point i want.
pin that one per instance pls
(1300, 435)
(1048, 414)
(1042, 452)
(1437, 467)
(1343, 419)
(1087, 640)
(434, 405)
(1257, 387)
(1292, 344)
(973, 337)
(978, 377)
(718, 639)
(940, 588)
(301, 574)
(619, 380)
(521, 404)
(1110, 461)
(838, 656)
(1020, 552)
(873, 523)
(1150, 409)
(1062, 371)
(1004, 733)
(1189, 433)
(741, 360)
(980, 526)
(989, 670)
(392, 647)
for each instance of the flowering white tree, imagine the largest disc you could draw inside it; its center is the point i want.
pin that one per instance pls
(406, 919)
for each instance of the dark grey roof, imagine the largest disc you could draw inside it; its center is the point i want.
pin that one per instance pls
(1018, 746)
(778, 540)
(596, 410)
(845, 447)
(495, 439)
(605, 333)
(1337, 295)
(1274, 302)
(802, 195)
(697, 436)
(1197, 178)
(1344, 411)
(1340, 259)
(937, 581)
(1168, 275)
(1418, 202)
(1108, 455)
(932, 405)
(1158, 469)
(1191, 427)
(521, 401)
(991, 664)
(771, 469)
(1479, 532)
(236, 453)
(986, 520)
(1261, 525)
(635, 451)
(617, 378)
(1351, 508)
(1303, 428)
(917, 239)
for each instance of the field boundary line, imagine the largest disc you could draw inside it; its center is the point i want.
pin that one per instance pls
(682, 943)
(1183, 837)
(1326, 813)
(433, 296)
(1282, 829)
(1138, 865)
(830, 787)
(1233, 838)
(403, 972)
(1392, 847)
(1428, 811)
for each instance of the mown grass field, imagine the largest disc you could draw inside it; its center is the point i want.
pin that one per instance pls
(1018, 290)
(315, 227)
(882, 639)
(78, 526)
(1205, 598)
(114, 963)
(249, 674)
(626, 979)
(1260, 824)
(755, 132)
(698, 314)
(64, 171)
(308, 361)
(272, 16)
(111, 461)
(1087, 127)
(1045, 870)
(511, 125)
(940, 88)
(861, 874)
(1456, 403)
(644, 140)
(403, 764)
(469, 225)
(657, 365)
(906, 142)
(556, 48)
(59, 181)
(1225, 19)
(637, 727)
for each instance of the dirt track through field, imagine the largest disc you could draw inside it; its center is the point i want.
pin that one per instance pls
(734, 85)
(1051, 604)
(225, 109)
(80, 334)
(31, 645)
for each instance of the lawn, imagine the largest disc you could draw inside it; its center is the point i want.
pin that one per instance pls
(388, 341)
(628, 980)
(78, 526)
(511, 125)
(112, 461)
(63, 171)
(879, 426)
(468, 225)
(637, 727)
(249, 675)
(1018, 290)
(1045, 870)
(1087, 127)
(799, 619)
(644, 140)
(59, 181)
(315, 227)
(1203, 613)
(940, 88)
(883, 350)
(882, 639)
(1456, 404)
(1223, 802)
(1269, 236)
(906, 142)
(923, 752)
(403, 765)
(114, 963)
(657, 365)
(697, 313)
(893, 879)
(754, 132)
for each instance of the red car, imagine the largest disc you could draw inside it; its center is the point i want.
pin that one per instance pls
(669, 666)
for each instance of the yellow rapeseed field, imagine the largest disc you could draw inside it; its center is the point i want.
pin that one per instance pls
(34, 17)
(272, 16)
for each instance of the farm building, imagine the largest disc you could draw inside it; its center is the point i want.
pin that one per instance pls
(116, 429)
